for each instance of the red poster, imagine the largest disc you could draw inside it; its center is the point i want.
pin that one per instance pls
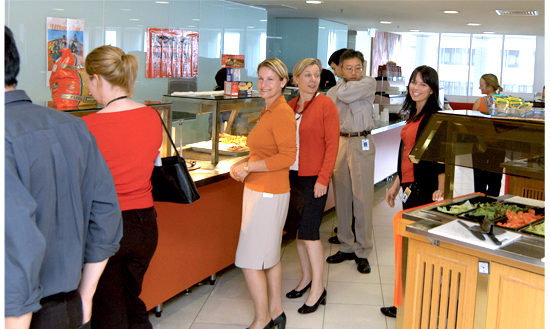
(172, 53)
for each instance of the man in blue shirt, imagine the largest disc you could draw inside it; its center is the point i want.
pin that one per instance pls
(62, 218)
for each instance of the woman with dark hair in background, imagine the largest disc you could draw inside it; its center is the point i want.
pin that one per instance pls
(272, 144)
(487, 182)
(129, 135)
(424, 182)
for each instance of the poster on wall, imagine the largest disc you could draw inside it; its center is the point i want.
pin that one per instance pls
(171, 53)
(63, 33)
(386, 46)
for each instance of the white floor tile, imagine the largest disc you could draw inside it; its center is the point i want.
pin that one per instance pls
(338, 316)
(354, 293)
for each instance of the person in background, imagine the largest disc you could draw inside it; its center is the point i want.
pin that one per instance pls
(487, 182)
(266, 195)
(353, 176)
(62, 218)
(317, 136)
(327, 78)
(129, 134)
(424, 182)
(334, 62)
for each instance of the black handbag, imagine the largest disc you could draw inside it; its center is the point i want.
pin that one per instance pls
(172, 181)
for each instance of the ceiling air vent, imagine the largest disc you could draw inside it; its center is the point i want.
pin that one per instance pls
(517, 12)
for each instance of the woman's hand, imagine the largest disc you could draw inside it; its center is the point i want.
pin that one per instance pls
(237, 171)
(392, 193)
(319, 190)
(437, 195)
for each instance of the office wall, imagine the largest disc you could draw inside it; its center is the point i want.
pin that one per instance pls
(129, 20)
(332, 36)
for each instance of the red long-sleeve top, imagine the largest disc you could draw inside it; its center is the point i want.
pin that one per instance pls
(319, 138)
(130, 142)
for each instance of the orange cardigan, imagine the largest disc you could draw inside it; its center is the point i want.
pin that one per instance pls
(273, 139)
(319, 138)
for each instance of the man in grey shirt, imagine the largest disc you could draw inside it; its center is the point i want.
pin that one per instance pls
(62, 218)
(353, 176)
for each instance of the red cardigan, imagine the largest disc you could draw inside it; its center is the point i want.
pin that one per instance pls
(319, 138)
(130, 142)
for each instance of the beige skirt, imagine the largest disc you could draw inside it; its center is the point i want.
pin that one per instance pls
(262, 225)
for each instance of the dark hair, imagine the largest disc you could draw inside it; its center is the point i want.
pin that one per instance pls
(11, 60)
(349, 54)
(335, 57)
(431, 78)
(220, 78)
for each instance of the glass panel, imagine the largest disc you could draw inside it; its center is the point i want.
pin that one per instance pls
(486, 58)
(458, 137)
(418, 49)
(454, 63)
(518, 72)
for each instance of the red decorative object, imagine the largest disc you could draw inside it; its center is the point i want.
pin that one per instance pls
(171, 53)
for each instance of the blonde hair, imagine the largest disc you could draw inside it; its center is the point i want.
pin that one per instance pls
(116, 67)
(491, 80)
(302, 65)
(277, 66)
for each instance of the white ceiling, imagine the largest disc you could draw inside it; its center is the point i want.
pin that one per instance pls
(426, 16)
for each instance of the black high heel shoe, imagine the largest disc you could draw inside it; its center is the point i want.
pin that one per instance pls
(280, 321)
(270, 325)
(306, 309)
(298, 293)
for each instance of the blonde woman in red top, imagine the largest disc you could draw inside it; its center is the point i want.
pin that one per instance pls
(129, 135)
(272, 145)
(317, 136)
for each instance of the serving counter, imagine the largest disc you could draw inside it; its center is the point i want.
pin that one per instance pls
(450, 281)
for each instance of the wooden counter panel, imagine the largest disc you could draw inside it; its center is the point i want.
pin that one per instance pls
(195, 241)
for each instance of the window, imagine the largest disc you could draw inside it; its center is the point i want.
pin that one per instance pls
(454, 62)
(418, 49)
(518, 72)
(486, 57)
(231, 43)
(511, 58)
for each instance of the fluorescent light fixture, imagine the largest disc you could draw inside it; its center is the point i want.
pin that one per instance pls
(263, 20)
(488, 32)
(250, 27)
(414, 30)
(134, 19)
(162, 2)
(314, 2)
(59, 9)
(385, 22)
(474, 24)
(196, 19)
(191, 26)
(451, 11)
(321, 27)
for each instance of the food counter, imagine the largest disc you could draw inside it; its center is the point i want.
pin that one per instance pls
(451, 277)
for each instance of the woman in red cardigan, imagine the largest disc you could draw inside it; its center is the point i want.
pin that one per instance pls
(317, 134)
(129, 135)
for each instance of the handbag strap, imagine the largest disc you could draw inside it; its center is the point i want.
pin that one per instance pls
(168, 133)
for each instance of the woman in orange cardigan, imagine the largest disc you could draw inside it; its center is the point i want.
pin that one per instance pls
(317, 136)
(272, 145)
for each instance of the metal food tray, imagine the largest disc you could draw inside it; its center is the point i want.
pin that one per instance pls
(526, 227)
(206, 147)
(503, 218)
(477, 199)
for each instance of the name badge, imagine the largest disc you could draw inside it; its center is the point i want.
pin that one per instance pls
(365, 143)
(268, 195)
(406, 194)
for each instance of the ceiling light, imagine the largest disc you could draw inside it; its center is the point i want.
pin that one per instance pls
(488, 32)
(385, 22)
(191, 26)
(196, 19)
(321, 27)
(517, 12)
(414, 30)
(263, 20)
(250, 27)
(123, 9)
(474, 24)
(162, 2)
(134, 19)
(451, 11)
(59, 9)
(314, 2)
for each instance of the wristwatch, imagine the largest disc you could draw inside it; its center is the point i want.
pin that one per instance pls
(246, 168)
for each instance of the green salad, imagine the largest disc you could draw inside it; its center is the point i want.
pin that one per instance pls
(494, 210)
(536, 229)
(457, 208)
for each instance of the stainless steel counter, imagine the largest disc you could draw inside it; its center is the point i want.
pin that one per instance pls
(527, 249)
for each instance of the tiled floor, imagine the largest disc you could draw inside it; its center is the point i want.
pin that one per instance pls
(353, 299)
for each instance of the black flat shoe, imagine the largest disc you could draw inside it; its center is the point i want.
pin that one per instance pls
(334, 240)
(340, 257)
(270, 325)
(363, 265)
(306, 309)
(389, 311)
(280, 321)
(298, 293)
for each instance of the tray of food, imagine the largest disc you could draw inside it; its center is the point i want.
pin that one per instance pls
(536, 228)
(457, 208)
(228, 145)
(505, 214)
(520, 219)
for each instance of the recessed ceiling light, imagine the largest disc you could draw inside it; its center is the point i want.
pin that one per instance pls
(321, 27)
(263, 20)
(488, 32)
(474, 24)
(191, 26)
(385, 22)
(125, 9)
(250, 27)
(414, 30)
(134, 19)
(451, 11)
(162, 2)
(196, 19)
(59, 9)
(314, 2)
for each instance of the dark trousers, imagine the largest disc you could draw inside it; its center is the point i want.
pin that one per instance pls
(116, 302)
(488, 182)
(418, 196)
(60, 311)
